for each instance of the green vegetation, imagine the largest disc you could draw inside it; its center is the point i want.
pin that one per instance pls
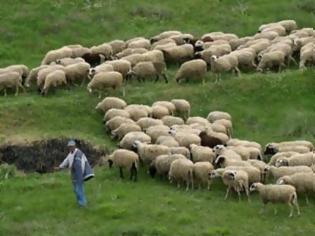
(265, 107)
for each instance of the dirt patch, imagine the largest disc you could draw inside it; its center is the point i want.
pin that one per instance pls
(41, 156)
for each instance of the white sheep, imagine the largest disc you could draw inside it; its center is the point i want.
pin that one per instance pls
(156, 131)
(54, 79)
(179, 53)
(113, 112)
(170, 106)
(300, 159)
(181, 170)
(109, 103)
(277, 193)
(158, 111)
(272, 59)
(277, 172)
(168, 141)
(148, 70)
(125, 159)
(201, 154)
(116, 121)
(236, 179)
(11, 80)
(129, 139)
(121, 66)
(148, 152)
(137, 111)
(180, 150)
(172, 120)
(194, 69)
(124, 129)
(185, 139)
(182, 108)
(77, 72)
(218, 115)
(201, 174)
(146, 122)
(225, 63)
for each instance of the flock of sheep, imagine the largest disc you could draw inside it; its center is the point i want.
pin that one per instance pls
(164, 137)
(191, 150)
(108, 65)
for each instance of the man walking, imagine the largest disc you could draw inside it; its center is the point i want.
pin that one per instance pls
(76, 161)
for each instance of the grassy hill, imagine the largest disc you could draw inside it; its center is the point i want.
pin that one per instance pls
(265, 107)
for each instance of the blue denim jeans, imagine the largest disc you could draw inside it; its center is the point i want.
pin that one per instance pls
(78, 189)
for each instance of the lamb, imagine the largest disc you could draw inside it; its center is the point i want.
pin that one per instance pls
(236, 179)
(147, 122)
(124, 129)
(156, 131)
(170, 106)
(168, 141)
(69, 61)
(270, 60)
(77, 72)
(148, 152)
(116, 121)
(11, 80)
(180, 150)
(200, 173)
(146, 70)
(109, 103)
(161, 164)
(185, 139)
(304, 159)
(129, 139)
(113, 112)
(137, 111)
(178, 53)
(181, 170)
(277, 172)
(125, 159)
(277, 193)
(194, 69)
(105, 80)
(172, 120)
(201, 154)
(225, 63)
(56, 54)
(182, 108)
(158, 112)
(104, 49)
(121, 66)
(54, 79)
(303, 182)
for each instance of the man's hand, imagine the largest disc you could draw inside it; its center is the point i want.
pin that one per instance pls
(57, 168)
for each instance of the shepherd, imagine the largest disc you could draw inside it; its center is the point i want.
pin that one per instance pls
(80, 169)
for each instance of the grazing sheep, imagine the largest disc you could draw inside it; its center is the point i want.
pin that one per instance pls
(300, 159)
(42, 74)
(77, 72)
(178, 54)
(104, 67)
(277, 172)
(180, 150)
(134, 59)
(117, 121)
(124, 129)
(270, 60)
(227, 124)
(148, 152)
(194, 69)
(104, 49)
(213, 50)
(303, 182)
(168, 141)
(225, 63)
(277, 193)
(221, 150)
(121, 66)
(182, 108)
(197, 119)
(307, 55)
(32, 76)
(139, 43)
(172, 120)
(11, 80)
(147, 122)
(170, 106)
(113, 112)
(148, 70)
(185, 139)
(23, 70)
(158, 112)
(156, 131)
(279, 155)
(294, 146)
(129, 139)
(154, 56)
(261, 166)
(161, 165)
(246, 58)
(54, 79)
(181, 170)
(117, 46)
(125, 159)
(201, 154)
(109, 103)
(56, 54)
(104, 80)
(201, 172)
(137, 111)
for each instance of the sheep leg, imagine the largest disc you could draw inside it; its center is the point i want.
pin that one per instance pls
(227, 193)
(306, 199)
(165, 78)
(121, 174)
(254, 64)
(5, 92)
(209, 184)
(123, 91)
(16, 90)
(239, 194)
(238, 72)
(296, 204)
(291, 209)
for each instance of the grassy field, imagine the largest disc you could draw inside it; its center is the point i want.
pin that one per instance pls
(265, 107)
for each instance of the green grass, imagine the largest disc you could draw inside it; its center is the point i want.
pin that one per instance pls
(264, 107)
